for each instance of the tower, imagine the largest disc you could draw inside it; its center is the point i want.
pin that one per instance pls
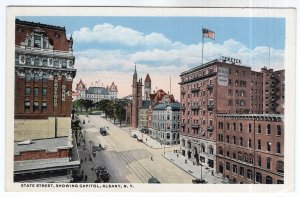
(147, 87)
(136, 99)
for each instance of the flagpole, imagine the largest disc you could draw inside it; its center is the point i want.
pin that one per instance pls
(202, 47)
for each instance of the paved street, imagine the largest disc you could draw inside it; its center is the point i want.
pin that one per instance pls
(128, 160)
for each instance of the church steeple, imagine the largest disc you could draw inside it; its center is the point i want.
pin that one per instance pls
(135, 74)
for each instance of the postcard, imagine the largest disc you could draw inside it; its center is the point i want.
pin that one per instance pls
(150, 99)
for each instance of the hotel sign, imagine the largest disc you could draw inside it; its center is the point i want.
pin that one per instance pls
(55, 96)
(230, 59)
(223, 76)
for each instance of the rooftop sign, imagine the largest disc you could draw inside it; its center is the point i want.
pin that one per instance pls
(230, 59)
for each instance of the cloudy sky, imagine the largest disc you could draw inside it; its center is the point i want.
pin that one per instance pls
(107, 48)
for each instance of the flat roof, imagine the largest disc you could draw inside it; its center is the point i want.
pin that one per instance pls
(50, 145)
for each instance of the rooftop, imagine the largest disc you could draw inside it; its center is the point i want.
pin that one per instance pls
(18, 21)
(97, 90)
(50, 145)
(162, 106)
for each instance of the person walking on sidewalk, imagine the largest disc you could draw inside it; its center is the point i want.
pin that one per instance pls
(151, 158)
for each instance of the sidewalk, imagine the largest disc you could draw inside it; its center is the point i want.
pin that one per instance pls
(194, 170)
(147, 140)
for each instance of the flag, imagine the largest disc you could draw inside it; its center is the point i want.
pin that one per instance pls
(208, 33)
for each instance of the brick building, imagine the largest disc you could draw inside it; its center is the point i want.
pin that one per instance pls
(250, 147)
(44, 72)
(223, 86)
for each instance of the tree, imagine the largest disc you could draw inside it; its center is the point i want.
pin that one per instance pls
(119, 109)
(106, 106)
(87, 104)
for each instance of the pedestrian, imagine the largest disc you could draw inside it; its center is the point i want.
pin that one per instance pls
(81, 161)
(82, 172)
(185, 161)
(146, 139)
(85, 178)
(151, 158)
(212, 173)
(85, 159)
(177, 155)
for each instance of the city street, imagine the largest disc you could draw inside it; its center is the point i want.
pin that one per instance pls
(128, 160)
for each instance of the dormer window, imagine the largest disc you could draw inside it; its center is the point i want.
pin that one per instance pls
(37, 41)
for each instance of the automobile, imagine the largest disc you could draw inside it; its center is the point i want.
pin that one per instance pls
(153, 180)
(103, 131)
(134, 136)
(199, 181)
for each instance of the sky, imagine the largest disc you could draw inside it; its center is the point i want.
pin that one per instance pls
(107, 48)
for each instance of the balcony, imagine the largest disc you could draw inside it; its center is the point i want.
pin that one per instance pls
(196, 89)
(210, 106)
(195, 107)
(195, 126)
(210, 128)
(210, 86)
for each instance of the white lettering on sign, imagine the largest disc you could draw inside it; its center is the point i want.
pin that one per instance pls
(55, 92)
(223, 76)
(63, 93)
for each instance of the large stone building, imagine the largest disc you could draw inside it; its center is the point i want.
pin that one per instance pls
(44, 70)
(95, 93)
(166, 123)
(223, 87)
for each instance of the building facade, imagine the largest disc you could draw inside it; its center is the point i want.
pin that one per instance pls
(222, 86)
(44, 72)
(250, 148)
(147, 87)
(166, 123)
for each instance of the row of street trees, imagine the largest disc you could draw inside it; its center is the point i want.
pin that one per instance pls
(113, 109)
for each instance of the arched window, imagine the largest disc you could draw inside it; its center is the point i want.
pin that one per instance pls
(251, 158)
(258, 178)
(241, 127)
(227, 138)
(189, 144)
(28, 78)
(241, 141)
(211, 150)
(250, 128)
(234, 140)
(36, 77)
(269, 180)
(268, 129)
(245, 157)
(280, 166)
(259, 144)
(278, 147)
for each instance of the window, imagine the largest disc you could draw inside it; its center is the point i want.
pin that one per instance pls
(241, 141)
(259, 160)
(278, 148)
(27, 91)
(258, 177)
(280, 166)
(241, 127)
(44, 91)
(45, 63)
(64, 64)
(268, 129)
(211, 150)
(228, 126)
(278, 130)
(37, 41)
(36, 91)
(268, 163)
(228, 166)
(234, 140)
(234, 169)
(28, 61)
(234, 126)
(249, 143)
(249, 174)
(35, 106)
(227, 153)
(268, 146)
(259, 144)
(241, 171)
(220, 151)
(45, 78)
(44, 106)
(27, 106)
(36, 77)
(56, 63)
(259, 129)
(203, 148)
(250, 128)
(234, 155)
(227, 138)
(269, 180)
(36, 62)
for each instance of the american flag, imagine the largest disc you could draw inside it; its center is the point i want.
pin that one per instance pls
(208, 33)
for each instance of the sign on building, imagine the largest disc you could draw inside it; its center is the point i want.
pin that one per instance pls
(223, 76)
